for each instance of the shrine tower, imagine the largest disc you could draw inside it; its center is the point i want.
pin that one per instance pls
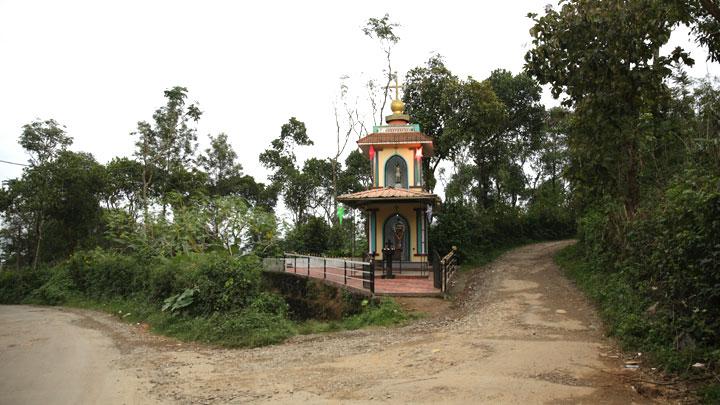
(397, 207)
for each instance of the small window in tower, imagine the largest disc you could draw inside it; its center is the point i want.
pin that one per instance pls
(396, 172)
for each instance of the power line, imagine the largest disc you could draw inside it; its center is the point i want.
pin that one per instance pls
(13, 163)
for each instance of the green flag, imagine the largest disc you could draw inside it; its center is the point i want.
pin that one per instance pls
(340, 212)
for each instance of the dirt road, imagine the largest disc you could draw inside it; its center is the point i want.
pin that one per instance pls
(521, 333)
(48, 356)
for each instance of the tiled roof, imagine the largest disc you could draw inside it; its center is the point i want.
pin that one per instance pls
(387, 193)
(394, 137)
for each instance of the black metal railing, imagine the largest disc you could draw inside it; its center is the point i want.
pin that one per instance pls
(349, 273)
(404, 267)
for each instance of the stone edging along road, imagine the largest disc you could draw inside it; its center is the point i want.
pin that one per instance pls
(522, 334)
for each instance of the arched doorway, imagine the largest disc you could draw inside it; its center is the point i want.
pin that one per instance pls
(397, 231)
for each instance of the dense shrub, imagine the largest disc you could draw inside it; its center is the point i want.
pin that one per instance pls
(225, 283)
(103, 274)
(16, 285)
(478, 231)
(57, 290)
(311, 237)
(657, 275)
(269, 303)
(165, 277)
(249, 327)
(382, 312)
(229, 302)
(674, 254)
(548, 215)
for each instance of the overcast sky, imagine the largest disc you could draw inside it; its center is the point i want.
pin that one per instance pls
(98, 67)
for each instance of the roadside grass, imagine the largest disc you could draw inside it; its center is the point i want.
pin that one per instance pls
(385, 312)
(211, 298)
(623, 311)
(245, 328)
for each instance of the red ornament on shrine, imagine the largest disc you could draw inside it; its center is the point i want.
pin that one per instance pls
(371, 152)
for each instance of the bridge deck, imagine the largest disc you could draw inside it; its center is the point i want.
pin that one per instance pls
(401, 286)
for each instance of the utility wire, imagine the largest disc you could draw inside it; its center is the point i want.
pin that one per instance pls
(13, 163)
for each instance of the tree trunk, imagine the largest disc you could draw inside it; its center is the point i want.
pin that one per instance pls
(17, 246)
(38, 231)
(334, 183)
(483, 184)
(145, 200)
(632, 195)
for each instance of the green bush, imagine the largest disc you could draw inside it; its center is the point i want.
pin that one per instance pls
(548, 216)
(311, 237)
(57, 290)
(657, 276)
(249, 328)
(384, 312)
(224, 283)
(673, 255)
(210, 297)
(270, 303)
(103, 274)
(479, 232)
(165, 277)
(17, 285)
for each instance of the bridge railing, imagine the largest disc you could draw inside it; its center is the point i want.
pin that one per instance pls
(353, 274)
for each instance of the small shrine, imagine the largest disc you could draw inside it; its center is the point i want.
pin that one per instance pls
(398, 208)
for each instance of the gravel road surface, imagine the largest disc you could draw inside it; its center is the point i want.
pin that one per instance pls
(518, 332)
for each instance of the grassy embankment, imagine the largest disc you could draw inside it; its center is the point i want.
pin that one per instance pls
(210, 298)
(635, 324)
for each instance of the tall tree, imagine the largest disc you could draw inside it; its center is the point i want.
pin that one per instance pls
(347, 122)
(357, 175)
(220, 164)
(703, 17)
(73, 212)
(605, 57)
(477, 122)
(166, 147)
(706, 97)
(286, 176)
(17, 220)
(123, 185)
(430, 95)
(321, 175)
(43, 141)
(53, 209)
(551, 158)
(522, 128)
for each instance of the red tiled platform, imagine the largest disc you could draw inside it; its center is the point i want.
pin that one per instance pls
(401, 286)
(406, 287)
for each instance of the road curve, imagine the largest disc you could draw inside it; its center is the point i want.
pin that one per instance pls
(520, 333)
(47, 356)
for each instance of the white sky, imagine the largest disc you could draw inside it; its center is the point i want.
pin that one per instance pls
(98, 67)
